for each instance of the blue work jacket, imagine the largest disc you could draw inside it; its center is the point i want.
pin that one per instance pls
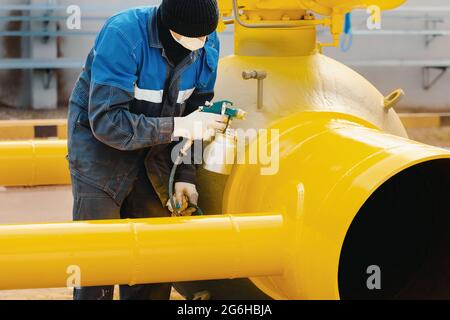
(122, 107)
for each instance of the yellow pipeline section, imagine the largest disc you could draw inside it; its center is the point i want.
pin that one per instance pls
(32, 163)
(140, 251)
(329, 165)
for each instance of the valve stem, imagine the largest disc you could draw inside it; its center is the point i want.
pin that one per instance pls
(260, 76)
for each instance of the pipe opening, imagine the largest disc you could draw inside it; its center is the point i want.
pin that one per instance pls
(404, 229)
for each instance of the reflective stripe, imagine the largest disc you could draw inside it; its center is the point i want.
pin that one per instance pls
(156, 96)
(184, 95)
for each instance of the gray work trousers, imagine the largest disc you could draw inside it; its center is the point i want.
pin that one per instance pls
(142, 201)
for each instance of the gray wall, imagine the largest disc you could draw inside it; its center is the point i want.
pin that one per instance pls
(12, 82)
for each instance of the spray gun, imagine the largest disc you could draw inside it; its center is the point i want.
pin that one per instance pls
(217, 154)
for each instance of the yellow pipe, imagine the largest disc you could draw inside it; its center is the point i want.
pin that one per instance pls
(32, 163)
(140, 251)
(328, 166)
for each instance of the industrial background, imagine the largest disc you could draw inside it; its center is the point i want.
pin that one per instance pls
(412, 51)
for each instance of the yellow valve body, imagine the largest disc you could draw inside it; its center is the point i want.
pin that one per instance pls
(323, 7)
(330, 165)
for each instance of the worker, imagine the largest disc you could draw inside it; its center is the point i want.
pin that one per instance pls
(149, 71)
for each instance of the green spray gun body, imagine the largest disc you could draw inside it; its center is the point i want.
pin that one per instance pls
(223, 107)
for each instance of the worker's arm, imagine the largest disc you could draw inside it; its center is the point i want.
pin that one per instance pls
(114, 70)
(186, 175)
(204, 92)
(187, 172)
(113, 124)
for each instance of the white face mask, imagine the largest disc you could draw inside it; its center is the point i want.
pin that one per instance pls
(192, 44)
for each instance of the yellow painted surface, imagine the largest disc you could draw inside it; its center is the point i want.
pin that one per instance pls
(140, 251)
(330, 164)
(290, 17)
(31, 163)
(303, 83)
(25, 129)
(323, 7)
(14, 132)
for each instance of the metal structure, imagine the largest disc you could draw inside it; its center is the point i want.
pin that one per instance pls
(434, 26)
(43, 20)
(343, 188)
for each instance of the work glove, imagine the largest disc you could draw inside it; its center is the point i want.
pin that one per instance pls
(185, 195)
(199, 125)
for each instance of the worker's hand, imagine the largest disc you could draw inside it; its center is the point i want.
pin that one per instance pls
(199, 125)
(185, 194)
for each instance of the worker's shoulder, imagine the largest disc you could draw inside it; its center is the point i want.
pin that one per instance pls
(131, 23)
(213, 38)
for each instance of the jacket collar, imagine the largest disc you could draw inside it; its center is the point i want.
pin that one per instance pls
(153, 34)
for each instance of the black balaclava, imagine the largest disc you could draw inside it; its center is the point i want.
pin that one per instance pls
(175, 52)
(189, 18)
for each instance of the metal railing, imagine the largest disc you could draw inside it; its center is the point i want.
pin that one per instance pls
(40, 64)
(432, 69)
